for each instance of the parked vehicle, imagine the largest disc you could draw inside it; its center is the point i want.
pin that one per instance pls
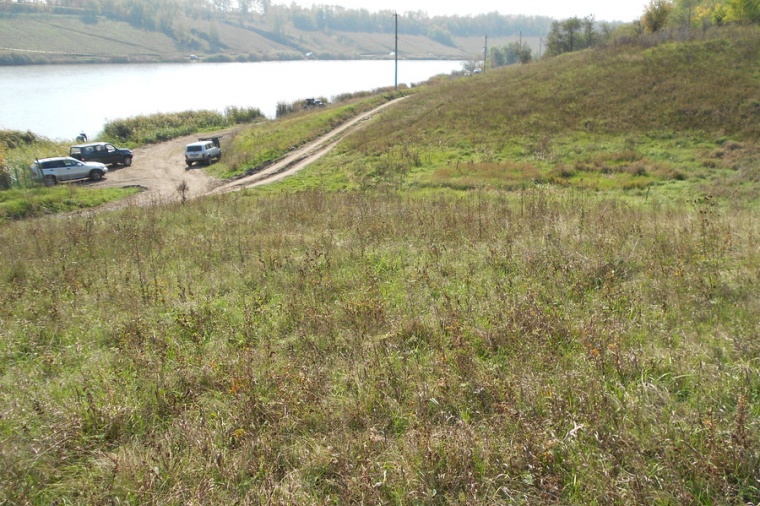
(204, 150)
(64, 168)
(102, 152)
(313, 102)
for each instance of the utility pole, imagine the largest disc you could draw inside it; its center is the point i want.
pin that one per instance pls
(395, 54)
(485, 53)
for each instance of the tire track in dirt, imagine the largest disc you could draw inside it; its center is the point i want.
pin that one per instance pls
(301, 157)
(160, 170)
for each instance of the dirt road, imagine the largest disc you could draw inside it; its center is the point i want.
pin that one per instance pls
(161, 171)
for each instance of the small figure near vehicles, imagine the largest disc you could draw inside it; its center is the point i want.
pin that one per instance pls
(63, 168)
(102, 152)
(204, 150)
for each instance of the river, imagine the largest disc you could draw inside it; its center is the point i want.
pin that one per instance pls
(59, 101)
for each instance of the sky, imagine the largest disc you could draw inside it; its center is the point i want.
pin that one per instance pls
(602, 10)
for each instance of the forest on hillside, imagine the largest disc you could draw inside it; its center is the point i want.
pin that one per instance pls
(165, 15)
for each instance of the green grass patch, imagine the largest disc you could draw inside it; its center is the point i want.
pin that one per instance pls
(257, 145)
(534, 286)
(620, 118)
(273, 341)
(26, 198)
(20, 204)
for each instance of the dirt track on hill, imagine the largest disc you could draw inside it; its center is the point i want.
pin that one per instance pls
(160, 170)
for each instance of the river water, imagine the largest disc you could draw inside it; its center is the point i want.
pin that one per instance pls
(59, 101)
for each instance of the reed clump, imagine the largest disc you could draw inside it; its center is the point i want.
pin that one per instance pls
(161, 127)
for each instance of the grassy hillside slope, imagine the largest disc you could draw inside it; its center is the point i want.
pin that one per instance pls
(625, 118)
(542, 345)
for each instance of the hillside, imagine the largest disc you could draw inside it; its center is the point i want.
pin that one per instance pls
(536, 285)
(621, 117)
(66, 38)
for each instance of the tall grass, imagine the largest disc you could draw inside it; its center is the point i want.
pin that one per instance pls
(624, 118)
(39, 201)
(509, 333)
(165, 126)
(533, 347)
(259, 145)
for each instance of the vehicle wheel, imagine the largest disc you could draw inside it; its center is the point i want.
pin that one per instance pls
(50, 181)
(127, 161)
(208, 160)
(189, 163)
(96, 175)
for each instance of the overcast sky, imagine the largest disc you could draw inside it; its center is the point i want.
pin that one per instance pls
(602, 10)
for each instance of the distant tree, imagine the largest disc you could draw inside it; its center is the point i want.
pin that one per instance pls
(572, 34)
(590, 37)
(656, 15)
(246, 6)
(562, 36)
(512, 53)
(303, 20)
(470, 65)
(744, 11)
(323, 17)
(222, 6)
(711, 14)
(5, 179)
(684, 12)
(441, 35)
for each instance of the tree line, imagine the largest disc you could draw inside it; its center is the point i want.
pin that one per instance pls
(575, 34)
(163, 15)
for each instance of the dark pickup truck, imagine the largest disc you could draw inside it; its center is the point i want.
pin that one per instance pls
(102, 152)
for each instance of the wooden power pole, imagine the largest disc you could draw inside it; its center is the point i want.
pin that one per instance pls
(485, 54)
(395, 54)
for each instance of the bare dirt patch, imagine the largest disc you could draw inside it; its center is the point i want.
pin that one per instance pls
(161, 171)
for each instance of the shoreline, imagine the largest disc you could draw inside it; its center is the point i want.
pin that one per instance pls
(8, 59)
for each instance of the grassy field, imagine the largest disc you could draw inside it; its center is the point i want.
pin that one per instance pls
(533, 286)
(664, 117)
(68, 38)
(50, 37)
(267, 142)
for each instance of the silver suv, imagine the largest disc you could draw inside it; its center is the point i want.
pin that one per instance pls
(63, 168)
(203, 151)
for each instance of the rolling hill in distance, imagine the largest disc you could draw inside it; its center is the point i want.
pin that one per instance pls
(34, 33)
